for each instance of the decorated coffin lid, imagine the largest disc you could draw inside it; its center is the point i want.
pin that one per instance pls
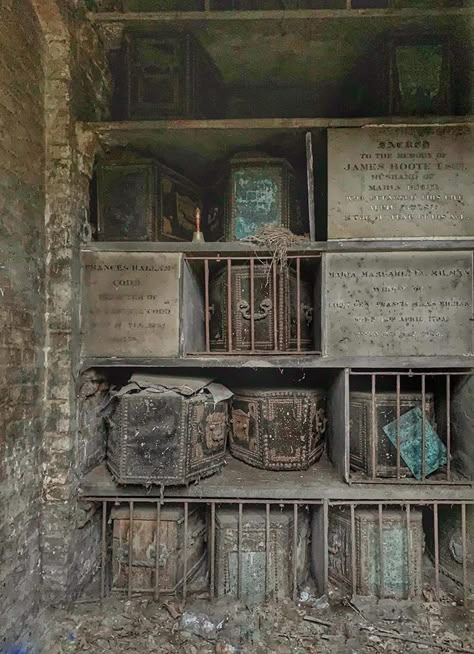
(187, 387)
(272, 390)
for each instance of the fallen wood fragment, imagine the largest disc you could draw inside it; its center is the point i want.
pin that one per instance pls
(309, 618)
(416, 641)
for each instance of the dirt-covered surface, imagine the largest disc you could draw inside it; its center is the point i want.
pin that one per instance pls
(361, 626)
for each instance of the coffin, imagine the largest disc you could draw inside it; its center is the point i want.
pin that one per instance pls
(167, 430)
(363, 430)
(278, 429)
(274, 309)
(169, 75)
(171, 568)
(402, 556)
(140, 199)
(254, 587)
(261, 190)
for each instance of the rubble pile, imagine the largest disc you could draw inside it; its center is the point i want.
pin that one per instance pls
(361, 626)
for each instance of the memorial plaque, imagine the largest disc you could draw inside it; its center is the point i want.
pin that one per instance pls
(399, 304)
(394, 182)
(130, 304)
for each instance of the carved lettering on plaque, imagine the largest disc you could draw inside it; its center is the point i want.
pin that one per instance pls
(398, 303)
(400, 182)
(130, 304)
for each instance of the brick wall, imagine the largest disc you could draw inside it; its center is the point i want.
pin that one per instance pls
(21, 313)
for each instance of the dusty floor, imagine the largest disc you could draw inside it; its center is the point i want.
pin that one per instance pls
(359, 627)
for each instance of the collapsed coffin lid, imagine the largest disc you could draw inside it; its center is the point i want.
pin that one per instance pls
(173, 385)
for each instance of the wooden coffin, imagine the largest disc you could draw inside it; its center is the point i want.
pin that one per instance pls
(275, 310)
(140, 199)
(278, 429)
(402, 556)
(169, 75)
(167, 430)
(261, 577)
(261, 190)
(171, 540)
(369, 429)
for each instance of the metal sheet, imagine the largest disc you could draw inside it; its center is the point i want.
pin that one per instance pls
(399, 304)
(130, 304)
(400, 182)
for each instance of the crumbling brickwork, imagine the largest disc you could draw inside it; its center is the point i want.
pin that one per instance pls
(22, 313)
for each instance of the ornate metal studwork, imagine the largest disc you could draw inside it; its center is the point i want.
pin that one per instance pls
(278, 429)
(255, 570)
(275, 299)
(402, 552)
(363, 431)
(167, 438)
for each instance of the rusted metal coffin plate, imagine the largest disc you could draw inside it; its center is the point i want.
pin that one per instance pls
(170, 75)
(166, 438)
(278, 429)
(398, 304)
(272, 302)
(141, 199)
(392, 182)
(262, 575)
(363, 430)
(130, 304)
(262, 190)
(402, 567)
(171, 549)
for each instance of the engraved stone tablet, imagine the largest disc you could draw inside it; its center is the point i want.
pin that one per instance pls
(130, 304)
(394, 182)
(399, 304)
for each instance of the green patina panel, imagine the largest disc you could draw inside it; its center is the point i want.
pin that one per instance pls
(257, 199)
(411, 442)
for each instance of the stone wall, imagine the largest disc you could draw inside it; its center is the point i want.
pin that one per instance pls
(21, 313)
(76, 86)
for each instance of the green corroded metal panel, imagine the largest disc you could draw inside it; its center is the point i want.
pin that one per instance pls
(395, 560)
(257, 195)
(411, 442)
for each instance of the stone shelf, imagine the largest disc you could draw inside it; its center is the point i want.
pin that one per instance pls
(291, 361)
(240, 481)
(310, 247)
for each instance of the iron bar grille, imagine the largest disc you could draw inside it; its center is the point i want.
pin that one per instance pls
(257, 306)
(434, 552)
(403, 427)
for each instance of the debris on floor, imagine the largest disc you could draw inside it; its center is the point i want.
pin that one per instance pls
(358, 626)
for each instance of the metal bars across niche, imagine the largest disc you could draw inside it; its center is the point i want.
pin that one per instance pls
(389, 549)
(408, 427)
(256, 305)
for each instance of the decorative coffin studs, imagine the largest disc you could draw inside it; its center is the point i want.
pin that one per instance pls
(377, 430)
(247, 567)
(170, 561)
(169, 75)
(262, 190)
(400, 570)
(278, 429)
(274, 316)
(142, 200)
(167, 430)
